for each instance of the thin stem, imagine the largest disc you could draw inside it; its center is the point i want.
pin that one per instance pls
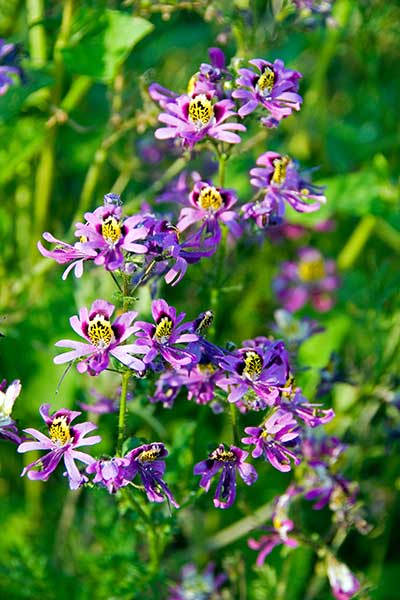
(233, 416)
(122, 412)
(356, 242)
(116, 282)
(37, 32)
(221, 171)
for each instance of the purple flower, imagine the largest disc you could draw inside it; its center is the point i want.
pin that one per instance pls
(146, 461)
(106, 232)
(194, 119)
(105, 339)
(229, 461)
(8, 395)
(311, 279)
(313, 415)
(110, 473)
(209, 206)
(162, 337)
(256, 373)
(197, 586)
(272, 439)
(104, 404)
(210, 77)
(271, 86)
(8, 66)
(168, 386)
(279, 180)
(343, 583)
(62, 443)
(295, 331)
(65, 253)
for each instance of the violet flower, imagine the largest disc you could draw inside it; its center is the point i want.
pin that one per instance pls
(146, 461)
(105, 340)
(256, 372)
(229, 461)
(65, 253)
(110, 473)
(210, 77)
(164, 336)
(194, 119)
(168, 386)
(197, 586)
(61, 444)
(210, 206)
(312, 279)
(312, 415)
(8, 66)
(279, 180)
(343, 583)
(109, 234)
(275, 537)
(8, 395)
(272, 438)
(272, 87)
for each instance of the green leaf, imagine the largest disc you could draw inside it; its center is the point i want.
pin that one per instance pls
(101, 42)
(12, 102)
(20, 142)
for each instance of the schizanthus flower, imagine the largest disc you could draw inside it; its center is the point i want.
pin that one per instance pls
(312, 279)
(8, 395)
(164, 336)
(343, 583)
(8, 66)
(197, 586)
(105, 339)
(274, 440)
(278, 179)
(229, 461)
(197, 118)
(110, 473)
(61, 444)
(270, 86)
(210, 206)
(65, 253)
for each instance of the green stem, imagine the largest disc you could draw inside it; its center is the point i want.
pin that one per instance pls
(356, 242)
(37, 32)
(221, 172)
(122, 412)
(233, 416)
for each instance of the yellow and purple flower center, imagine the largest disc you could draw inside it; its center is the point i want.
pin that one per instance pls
(200, 111)
(59, 431)
(206, 369)
(222, 455)
(280, 166)
(253, 365)
(111, 230)
(149, 455)
(266, 81)
(288, 391)
(83, 239)
(164, 329)
(311, 270)
(210, 199)
(100, 332)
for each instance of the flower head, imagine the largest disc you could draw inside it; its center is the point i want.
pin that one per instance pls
(197, 586)
(61, 443)
(273, 440)
(343, 583)
(8, 395)
(194, 118)
(105, 339)
(147, 462)
(312, 279)
(270, 86)
(165, 336)
(109, 473)
(65, 253)
(228, 462)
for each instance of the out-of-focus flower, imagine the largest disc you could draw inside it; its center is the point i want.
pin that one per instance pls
(229, 461)
(8, 65)
(270, 86)
(197, 586)
(293, 330)
(147, 462)
(104, 404)
(256, 372)
(105, 339)
(272, 439)
(108, 234)
(61, 444)
(164, 336)
(110, 473)
(65, 253)
(210, 206)
(194, 119)
(312, 279)
(279, 181)
(8, 395)
(343, 583)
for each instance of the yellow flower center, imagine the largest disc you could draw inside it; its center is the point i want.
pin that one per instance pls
(83, 239)
(59, 431)
(222, 455)
(164, 329)
(266, 81)
(210, 199)
(288, 389)
(253, 365)
(111, 230)
(200, 111)
(311, 270)
(149, 455)
(209, 368)
(100, 332)
(280, 166)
